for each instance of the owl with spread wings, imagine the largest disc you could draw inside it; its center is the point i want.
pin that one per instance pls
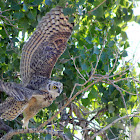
(39, 55)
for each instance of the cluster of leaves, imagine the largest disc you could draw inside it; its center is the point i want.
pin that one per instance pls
(99, 25)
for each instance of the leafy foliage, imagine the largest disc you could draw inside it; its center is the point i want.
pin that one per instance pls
(96, 48)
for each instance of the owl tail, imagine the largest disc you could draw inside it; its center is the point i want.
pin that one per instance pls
(10, 108)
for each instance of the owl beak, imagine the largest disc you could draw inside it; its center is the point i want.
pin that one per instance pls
(59, 91)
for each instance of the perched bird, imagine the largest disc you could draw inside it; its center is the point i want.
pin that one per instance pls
(39, 56)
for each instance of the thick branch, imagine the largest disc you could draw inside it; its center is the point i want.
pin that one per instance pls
(68, 102)
(4, 127)
(24, 131)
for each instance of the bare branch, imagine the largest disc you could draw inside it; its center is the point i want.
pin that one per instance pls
(4, 127)
(68, 102)
(97, 7)
(78, 69)
(115, 121)
(114, 63)
(91, 77)
(118, 88)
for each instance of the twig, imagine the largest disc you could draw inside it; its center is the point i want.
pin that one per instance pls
(4, 127)
(68, 102)
(5, 10)
(128, 78)
(77, 84)
(100, 111)
(11, 24)
(89, 12)
(7, 34)
(123, 72)
(78, 69)
(118, 88)
(115, 121)
(114, 63)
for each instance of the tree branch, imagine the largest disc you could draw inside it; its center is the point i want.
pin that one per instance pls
(115, 121)
(4, 127)
(24, 131)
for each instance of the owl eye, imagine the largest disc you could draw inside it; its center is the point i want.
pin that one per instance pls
(54, 87)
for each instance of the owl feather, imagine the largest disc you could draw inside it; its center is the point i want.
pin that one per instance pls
(39, 55)
(45, 46)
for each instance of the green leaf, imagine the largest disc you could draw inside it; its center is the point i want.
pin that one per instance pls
(111, 119)
(15, 40)
(81, 2)
(106, 68)
(48, 2)
(69, 11)
(32, 14)
(18, 15)
(111, 43)
(15, 6)
(88, 39)
(118, 30)
(96, 50)
(124, 54)
(25, 7)
(139, 65)
(99, 12)
(2, 4)
(3, 33)
(67, 131)
(90, 1)
(101, 40)
(85, 101)
(37, 2)
(126, 45)
(93, 94)
(124, 36)
(48, 137)
(136, 120)
(84, 66)
(111, 108)
(137, 19)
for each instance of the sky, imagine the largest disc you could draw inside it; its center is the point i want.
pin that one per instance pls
(133, 33)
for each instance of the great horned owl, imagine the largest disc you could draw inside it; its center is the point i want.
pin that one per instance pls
(39, 56)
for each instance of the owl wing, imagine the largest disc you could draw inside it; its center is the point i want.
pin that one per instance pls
(45, 46)
(11, 108)
(17, 91)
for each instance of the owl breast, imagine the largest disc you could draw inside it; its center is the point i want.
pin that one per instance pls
(45, 99)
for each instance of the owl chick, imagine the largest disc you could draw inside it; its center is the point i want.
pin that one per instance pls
(37, 102)
(39, 55)
(11, 108)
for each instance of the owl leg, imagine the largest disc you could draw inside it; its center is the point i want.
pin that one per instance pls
(25, 123)
(30, 112)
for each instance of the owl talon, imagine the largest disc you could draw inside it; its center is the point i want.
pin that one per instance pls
(25, 124)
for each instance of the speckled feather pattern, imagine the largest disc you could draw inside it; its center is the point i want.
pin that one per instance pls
(10, 109)
(45, 46)
(39, 56)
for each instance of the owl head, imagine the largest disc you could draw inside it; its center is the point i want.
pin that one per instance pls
(52, 87)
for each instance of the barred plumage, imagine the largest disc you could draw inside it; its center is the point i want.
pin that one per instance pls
(45, 46)
(39, 56)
